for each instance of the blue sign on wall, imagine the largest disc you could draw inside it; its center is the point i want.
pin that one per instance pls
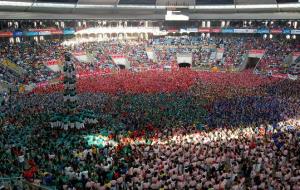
(31, 33)
(228, 30)
(263, 31)
(286, 31)
(17, 34)
(44, 33)
(69, 31)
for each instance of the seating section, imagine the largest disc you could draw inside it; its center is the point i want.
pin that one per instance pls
(164, 50)
(276, 52)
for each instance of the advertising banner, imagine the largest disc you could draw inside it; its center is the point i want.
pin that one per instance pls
(204, 30)
(6, 34)
(173, 30)
(183, 30)
(293, 77)
(56, 32)
(216, 30)
(256, 51)
(245, 31)
(118, 56)
(219, 54)
(52, 62)
(184, 58)
(295, 31)
(263, 31)
(228, 30)
(31, 33)
(17, 34)
(69, 31)
(296, 54)
(42, 84)
(192, 29)
(286, 31)
(41, 29)
(44, 33)
(276, 31)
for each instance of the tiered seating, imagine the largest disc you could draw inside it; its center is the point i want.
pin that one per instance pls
(234, 51)
(275, 55)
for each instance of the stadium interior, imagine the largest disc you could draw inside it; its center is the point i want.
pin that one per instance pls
(149, 94)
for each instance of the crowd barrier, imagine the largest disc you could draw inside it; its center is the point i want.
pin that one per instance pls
(20, 183)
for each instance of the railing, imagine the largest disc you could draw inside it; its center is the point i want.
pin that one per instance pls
(9, 183)
(20, 183)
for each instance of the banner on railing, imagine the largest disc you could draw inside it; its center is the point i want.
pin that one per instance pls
(82, 57)
(184, 58)
(192, 29)
(276, 31)
(263, 31)
(79, 53)
(42, 29)
(44, 33)
(69, 31)
(295, 31)
(245, 31)
(296, 53)
(204, 30)
(170, 30)
(256, 51)
(228, 30)
(216, 30)
(118, 56)
(6, 34)
(219, 54)
(286, 31)
(31, 33)
(57, 32)
(121, 60)
(42, 84)
(52, 62)
(183, 30)
(18, 34)
(293, 77)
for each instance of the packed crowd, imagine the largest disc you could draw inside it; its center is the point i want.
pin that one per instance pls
(33, 60)
(29, 59)
(159, 130)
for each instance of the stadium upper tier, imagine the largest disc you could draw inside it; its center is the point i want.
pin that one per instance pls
(31, 62)
(160, 2)
(81, 6)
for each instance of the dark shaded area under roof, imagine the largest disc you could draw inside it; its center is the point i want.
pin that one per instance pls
(137, 2)
(57, 1)
(287, 1)
(213, 2)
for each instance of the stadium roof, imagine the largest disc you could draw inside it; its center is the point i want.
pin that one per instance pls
(148, 9)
